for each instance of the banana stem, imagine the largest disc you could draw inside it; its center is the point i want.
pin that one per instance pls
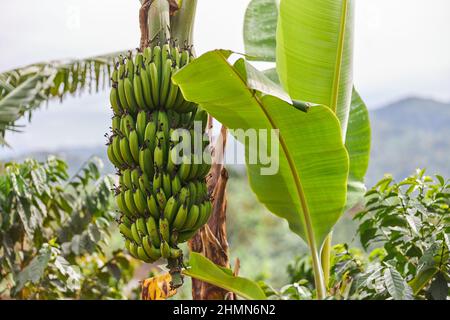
(325, 258)
(182, 23)
(174, 266)
(154, 19)
(318, 276)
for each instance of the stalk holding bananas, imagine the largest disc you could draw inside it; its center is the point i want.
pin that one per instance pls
(162, 202)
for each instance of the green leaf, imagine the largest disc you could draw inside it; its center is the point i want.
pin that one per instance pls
(396, 285)
(260, 24)
(203, 269)
(358, 137)
(34, 271)
(272, 75)
(439, 287)
(357, 143)
(422, 279)
(315, 52)
(12, 105)
(28, 87)
(309, 189)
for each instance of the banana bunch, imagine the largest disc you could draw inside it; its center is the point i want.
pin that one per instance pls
(162, 204)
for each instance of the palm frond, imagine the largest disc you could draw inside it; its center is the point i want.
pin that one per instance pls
(24, 89)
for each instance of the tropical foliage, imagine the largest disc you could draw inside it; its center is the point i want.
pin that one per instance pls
(55, 233)
(405, 230)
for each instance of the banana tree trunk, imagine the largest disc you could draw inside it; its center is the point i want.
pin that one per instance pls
(211, 240)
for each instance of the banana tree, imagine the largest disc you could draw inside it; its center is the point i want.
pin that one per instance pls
(320, 173)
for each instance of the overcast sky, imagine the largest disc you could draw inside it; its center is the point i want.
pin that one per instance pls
(402, 47)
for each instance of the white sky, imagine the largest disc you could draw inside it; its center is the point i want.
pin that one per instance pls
(402, 47)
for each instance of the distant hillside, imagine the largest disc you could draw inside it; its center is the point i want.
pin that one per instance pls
(408, 134)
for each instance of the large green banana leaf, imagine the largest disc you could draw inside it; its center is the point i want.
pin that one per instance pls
(309, 189)
(260, 41)
(315, 52)
(260, 24)
(205, 270)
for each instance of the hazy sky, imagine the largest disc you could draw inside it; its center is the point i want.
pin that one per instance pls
(402, 46)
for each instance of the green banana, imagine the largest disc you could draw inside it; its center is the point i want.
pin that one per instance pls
(184, 236)
(129, 202)
(146, 161)
(130, 69)
(141, 227)
(153, 206)
(192, 217)
(116, 149)
(116, 123)
(134, 145)
(146, 88)
(140, 201)
(157, 182)
(150, 135)
(129, 96)
(154, 83)
(181, 216)
(132, 248)
(120, 200)
(166, 184)
(125, 231)
(165, 81)
(164, 229)
(135, 174)
(141, 123)
(192, 193)
(165, 250)
(171, 208)
(185, 168)
(126, 124)
(147, 54)
(138, 90)
(153, 232)
(143, 255)
(176, 184)
(161, 198)
(114, 100)
(163, 123)
(184, 195)
(122, 98)
(126, 221)
(135, 234)
(125, 151)
(175, 253)
(144, 184)
(126, 176)
(158, 155)
(112, 157)
(150, 250)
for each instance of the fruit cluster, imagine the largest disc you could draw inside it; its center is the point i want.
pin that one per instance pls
(162, 202)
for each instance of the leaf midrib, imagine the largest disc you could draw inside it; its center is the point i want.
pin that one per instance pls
(306, 214)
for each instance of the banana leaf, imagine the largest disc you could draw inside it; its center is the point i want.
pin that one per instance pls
(260, 24)
(314, 52)
(309, 188)
(203, 269)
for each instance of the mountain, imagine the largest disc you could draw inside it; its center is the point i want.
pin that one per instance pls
(408, 134)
